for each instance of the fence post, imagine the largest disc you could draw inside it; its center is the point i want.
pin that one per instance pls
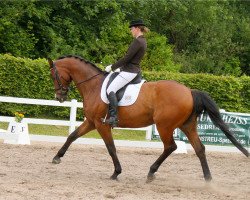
(149, 132)
(73, 110)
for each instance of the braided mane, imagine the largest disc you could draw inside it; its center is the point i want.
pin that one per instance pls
(81, 59)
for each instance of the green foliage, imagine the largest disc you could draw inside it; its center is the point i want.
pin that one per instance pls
(245, 92)
(13, 38)
(159, 56)
(210, 36)
(28, 78)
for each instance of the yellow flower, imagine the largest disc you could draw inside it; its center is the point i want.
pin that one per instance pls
(18, 116)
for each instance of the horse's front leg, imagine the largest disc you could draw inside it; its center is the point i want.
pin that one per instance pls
(84, 128)
(105, 132)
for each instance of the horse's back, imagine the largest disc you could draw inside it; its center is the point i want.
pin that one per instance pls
(170, 100)
(167, 89)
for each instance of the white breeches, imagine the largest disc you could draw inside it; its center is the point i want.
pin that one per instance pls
(122, 79)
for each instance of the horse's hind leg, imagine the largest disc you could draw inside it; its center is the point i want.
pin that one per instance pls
(169, 147)
(84, 128)
(191, 132)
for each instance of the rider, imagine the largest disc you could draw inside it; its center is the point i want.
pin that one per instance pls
(129, 66)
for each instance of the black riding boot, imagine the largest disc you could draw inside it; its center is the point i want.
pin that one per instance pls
(113, 103)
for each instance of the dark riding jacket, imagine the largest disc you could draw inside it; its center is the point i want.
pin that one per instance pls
(131, 61)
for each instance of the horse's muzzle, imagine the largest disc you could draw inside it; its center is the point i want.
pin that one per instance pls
(61, 99)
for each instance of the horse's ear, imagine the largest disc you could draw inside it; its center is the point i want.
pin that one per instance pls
(50, 62)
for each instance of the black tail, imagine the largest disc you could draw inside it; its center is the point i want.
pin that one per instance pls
(203, 102)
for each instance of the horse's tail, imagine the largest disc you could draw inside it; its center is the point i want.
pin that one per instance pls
(204, 103)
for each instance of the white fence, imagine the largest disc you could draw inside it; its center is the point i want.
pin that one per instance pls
(72, 123)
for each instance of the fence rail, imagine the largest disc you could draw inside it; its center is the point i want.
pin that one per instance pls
(72, 123)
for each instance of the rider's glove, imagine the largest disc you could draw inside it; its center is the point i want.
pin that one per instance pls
(108, 68)
(117, 70)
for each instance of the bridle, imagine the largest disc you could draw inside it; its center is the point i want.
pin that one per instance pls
(56, 76)
(63, 89)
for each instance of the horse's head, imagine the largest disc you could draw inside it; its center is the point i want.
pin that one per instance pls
(61, 81)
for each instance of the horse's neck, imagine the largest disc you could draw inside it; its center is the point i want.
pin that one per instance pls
(88, 81)
(91, 87)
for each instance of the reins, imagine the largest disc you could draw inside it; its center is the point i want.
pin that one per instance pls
(87, 79)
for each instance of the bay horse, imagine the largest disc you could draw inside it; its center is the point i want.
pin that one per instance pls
(167, 104)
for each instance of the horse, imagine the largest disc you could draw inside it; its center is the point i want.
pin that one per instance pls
(168, 104)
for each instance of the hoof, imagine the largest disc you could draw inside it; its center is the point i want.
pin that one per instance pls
(56, 160)
(208, 179)
(114, 177)
(150, 178)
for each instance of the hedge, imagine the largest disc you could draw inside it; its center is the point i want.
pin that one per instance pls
(28, 78)
(230, 93)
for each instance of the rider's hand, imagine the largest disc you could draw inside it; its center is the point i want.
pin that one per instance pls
(117, 70)
(108, 68)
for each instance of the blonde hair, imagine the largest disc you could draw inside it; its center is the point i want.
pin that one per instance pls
(143, 29)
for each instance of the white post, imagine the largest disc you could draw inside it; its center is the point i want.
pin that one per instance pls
(149, 132)
(18, 133)
(73, 110)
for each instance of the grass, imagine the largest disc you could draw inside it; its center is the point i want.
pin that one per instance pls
(63, 131)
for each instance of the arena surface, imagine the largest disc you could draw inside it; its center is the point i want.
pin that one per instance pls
(26, 172)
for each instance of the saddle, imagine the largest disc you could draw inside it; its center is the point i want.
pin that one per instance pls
(120, 92)
(128, 94)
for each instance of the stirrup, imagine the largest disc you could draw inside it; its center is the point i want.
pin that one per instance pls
(113, 121)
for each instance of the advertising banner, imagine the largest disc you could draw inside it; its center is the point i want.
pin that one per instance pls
(238, 123)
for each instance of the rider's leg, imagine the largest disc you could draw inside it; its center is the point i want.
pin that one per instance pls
(122, 79)
(113, 104)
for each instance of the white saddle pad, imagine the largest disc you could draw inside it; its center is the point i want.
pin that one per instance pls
(130, 95)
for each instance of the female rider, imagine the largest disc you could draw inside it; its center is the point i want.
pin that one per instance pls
(129, 66)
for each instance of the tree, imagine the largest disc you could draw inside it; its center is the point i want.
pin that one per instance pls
(210, 36)
(14, 37)
(52, 28)
(207, 35)
(159, 55)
